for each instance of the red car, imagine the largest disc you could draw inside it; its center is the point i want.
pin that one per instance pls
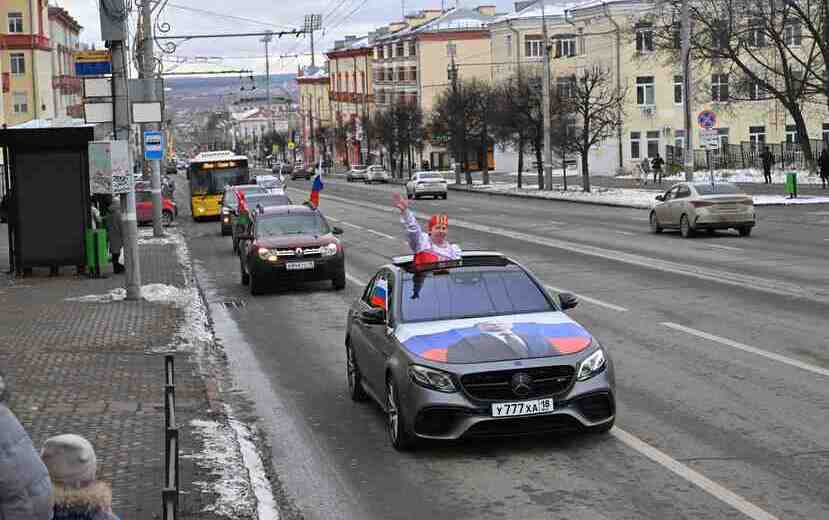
(144, 208)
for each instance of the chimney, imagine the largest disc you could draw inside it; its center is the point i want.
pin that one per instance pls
(521, 5)
(486, 10)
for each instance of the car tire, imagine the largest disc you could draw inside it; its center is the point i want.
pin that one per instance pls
(685, 228)
(167, 218)
(245, 276)
(399, 435)
(445, 195)
(338, 282)
(654, 222)
(255, 285)
(354, 377)
(602, 428)
(744, 231)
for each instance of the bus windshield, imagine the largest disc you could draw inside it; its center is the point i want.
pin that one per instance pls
(213, 182)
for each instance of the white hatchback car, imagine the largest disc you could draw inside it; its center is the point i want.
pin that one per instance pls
(377, 174)
(694, 206)
(426, 184)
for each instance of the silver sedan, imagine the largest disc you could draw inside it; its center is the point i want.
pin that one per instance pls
(694, 206)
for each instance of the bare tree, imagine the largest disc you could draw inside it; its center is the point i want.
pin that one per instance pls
(595, 106)
(399, 128)
(518, 119)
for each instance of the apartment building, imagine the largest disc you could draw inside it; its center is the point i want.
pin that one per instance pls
(26, 61)
(413, 64)
(64, 33)
(618, 35)
(314, 113)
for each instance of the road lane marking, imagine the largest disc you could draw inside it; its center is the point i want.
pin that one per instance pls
(628, 233)
(558, 223)
(728, 248)
(353, 279)
(332, 219)
(349, 224)
(694, 477)
(594, 301)
(731, 278)
(380, 234)
(747, 348)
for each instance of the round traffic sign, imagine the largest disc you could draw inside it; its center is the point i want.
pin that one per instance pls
(291, 145)
(707, 119)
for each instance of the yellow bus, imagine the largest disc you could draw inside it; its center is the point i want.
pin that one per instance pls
(209, 173)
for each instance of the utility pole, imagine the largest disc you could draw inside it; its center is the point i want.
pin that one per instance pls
(147, 68)
(545, 106)
(313, 22)
(266, 40)
(121, 129)
(453, 76)
(685, 27)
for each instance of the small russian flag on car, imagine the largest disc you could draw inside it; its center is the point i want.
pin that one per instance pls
(316, 188)
(379, 293)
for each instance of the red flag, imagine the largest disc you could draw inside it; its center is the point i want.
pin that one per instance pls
(240, 197)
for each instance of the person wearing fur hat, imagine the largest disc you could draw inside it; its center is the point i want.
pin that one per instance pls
(431, 247)
(72, 466)
(25, 489)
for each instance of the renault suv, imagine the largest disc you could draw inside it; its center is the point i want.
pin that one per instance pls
(474, 347)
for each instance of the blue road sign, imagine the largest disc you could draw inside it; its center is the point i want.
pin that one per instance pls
(707, 119)
(153, 145)
(96, 68)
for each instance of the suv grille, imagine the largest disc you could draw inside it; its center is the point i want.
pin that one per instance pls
(308, 252)
(497, 386)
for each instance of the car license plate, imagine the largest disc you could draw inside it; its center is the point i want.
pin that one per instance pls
(299, 266)
(533, 407)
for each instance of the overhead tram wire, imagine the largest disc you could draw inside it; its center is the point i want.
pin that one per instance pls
(225, 16)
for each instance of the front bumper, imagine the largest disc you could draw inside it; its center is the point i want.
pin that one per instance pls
(443, 416)
(325, 268)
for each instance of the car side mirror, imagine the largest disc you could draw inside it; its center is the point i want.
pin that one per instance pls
(374, 316)
(337, 230)
(660, 197)
(567, 300)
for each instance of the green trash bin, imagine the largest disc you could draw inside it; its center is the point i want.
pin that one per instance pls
(97, 250)
(791, 184)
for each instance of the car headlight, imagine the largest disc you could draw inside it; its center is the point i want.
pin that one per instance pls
(225, 210)
(591, 366)
(329, 250)
(265, 253)
(432, 379)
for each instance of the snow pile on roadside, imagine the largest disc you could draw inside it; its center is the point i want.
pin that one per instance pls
(115, 295)
(738, 175)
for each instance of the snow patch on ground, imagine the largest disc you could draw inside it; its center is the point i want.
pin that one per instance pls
(739, 175)
(221, 457)
(115, 295)
(265, 502)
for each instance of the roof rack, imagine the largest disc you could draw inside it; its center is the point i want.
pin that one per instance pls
(468, 259)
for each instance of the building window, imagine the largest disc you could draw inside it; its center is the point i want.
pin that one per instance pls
(20, 103)
(719, 87)
(509, 44)
(565, 47)
(380, 54)
(653, 143)
(679, 140)
(792, 34)
(678, 87)
(635, 152)
(645, 91)
(412, 48)
(15, 22)
(644, 38)
(755, 90)
(756, 34)
(401, 74)
(399, 50)
(826, 134)
(676, 36)
(722, 136)
(18, 63)
(566, 87)
(413, 74)
(757, 137)
(389, 53)
(791, 134)
(533, 46)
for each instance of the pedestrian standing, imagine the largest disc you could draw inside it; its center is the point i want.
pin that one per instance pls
(823, 163)
(78, 494)
(657, 164)
(768, 162)
(645, 169)
(25, 488)
(114, 233)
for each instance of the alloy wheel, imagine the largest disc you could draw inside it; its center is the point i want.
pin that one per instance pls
(393, 414)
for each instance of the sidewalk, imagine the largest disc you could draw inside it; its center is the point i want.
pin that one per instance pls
(95, 367)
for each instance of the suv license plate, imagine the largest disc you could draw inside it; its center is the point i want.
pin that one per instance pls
(299, 266)
(533, 407)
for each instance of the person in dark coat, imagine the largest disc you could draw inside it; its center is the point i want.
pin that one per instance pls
(25, 488)
(78, 494)
(114, 233)
(823, 164)
(656, 164)
(768, 162)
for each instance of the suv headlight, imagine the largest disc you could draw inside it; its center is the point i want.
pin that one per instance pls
(432, 379)
(591, 366)
(266, 254)
(329, 250)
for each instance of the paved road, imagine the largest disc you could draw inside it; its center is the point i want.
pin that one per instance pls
(719, 343)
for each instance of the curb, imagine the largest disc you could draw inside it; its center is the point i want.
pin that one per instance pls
(455, 187)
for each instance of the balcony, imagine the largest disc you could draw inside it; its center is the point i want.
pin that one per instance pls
(67, 84)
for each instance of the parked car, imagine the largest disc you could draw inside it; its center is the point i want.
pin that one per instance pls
(377, 174)
(144, 208)
(271, 183)
(230, 205)
(503, 358)
(290, 243)
(299, 172)
(696, 206)
(356, 173)
(253, 202)
(426, 183)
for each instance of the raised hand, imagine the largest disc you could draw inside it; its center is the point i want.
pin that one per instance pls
(400, 203)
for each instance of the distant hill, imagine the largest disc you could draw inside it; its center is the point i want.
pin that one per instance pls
(193, 94)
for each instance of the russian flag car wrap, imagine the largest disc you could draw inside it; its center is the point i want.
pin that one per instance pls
(501, 338)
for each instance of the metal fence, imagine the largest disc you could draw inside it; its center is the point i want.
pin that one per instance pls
(745, 155)
(169, 495)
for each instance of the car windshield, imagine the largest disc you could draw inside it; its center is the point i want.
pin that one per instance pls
(267, 199)
(268, 182)
(212, 182)
(230, 199)
(358, 167)
(430, 176)
(292, 224)
(716, 189)
(470, 293)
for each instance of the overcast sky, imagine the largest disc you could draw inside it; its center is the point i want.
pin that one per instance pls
(340, 17)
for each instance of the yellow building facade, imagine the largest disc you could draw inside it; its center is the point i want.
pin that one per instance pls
(351, 91)
(26, 61)
(314, 114)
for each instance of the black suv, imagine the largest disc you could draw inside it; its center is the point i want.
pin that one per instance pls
(290, 244)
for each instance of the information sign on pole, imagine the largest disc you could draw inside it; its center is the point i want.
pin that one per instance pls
(709, 139)
(153, 145)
